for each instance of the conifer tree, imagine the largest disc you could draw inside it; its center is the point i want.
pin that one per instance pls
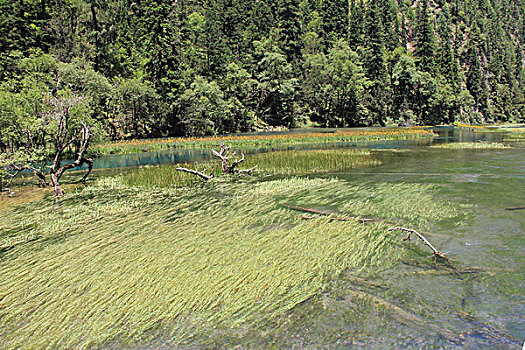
(288, 23)
(391, 23)
(334, 14)
(356, 27)
(375, 65)
(425, 39)
(217, 49)
(475, 82)
(446, 60)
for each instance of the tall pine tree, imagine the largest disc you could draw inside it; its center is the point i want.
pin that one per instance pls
(334, 14)
(378, 93)
(425, 49)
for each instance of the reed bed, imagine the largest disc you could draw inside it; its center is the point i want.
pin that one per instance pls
(311, 162)
(166, 176)
(247, 141)
(472, 127)
(472, 145)
(117, 264)
(513, 130)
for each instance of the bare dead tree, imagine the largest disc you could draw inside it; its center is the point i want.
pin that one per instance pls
(225, 156)
(80, 139)
(67, 131)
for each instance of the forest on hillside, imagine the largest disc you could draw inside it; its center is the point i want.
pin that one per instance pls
(136, 69)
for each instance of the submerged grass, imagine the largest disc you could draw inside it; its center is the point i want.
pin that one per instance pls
(248, 141)
(472, 145)
(116, 263)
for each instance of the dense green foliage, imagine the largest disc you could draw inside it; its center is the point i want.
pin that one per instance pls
(159, 68)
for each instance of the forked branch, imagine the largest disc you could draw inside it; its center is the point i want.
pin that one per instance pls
(410, 232)
(81, 139)
(225, 156)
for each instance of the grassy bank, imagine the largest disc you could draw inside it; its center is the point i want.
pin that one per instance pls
(247, 141)
(115, 263)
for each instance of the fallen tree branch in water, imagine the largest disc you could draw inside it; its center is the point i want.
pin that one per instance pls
(444, 272)
(363, 282)
(486, 330)
(247, 171)
(403, 316)
(195, 172)
(516, 208)
(330, 215)
(410, 232)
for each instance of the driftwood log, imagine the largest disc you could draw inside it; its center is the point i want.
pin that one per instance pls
(195, 172)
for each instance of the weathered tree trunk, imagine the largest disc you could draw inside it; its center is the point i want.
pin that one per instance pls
(82, 145)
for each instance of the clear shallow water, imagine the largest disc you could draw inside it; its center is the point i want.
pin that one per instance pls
(492, 238)
(172, 156)
(481, 310)
(485, 310)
